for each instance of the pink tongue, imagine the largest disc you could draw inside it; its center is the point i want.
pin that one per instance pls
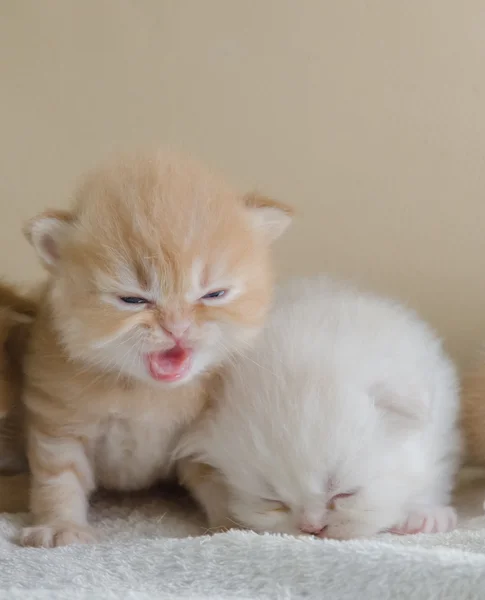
(169, 365)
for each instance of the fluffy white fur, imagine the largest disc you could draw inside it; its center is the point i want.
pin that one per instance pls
(340, 423)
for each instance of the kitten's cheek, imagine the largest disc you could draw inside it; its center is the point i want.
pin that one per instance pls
(202, 361)
(349, 530)
(265, 522)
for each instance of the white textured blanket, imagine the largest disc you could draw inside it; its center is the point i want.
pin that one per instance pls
(145, 554)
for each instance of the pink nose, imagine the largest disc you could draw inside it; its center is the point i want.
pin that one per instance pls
(177, 330)
(312, 529)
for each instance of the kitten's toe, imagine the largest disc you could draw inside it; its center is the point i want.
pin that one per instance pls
(66, 537)
(437, 519)
(51, 536)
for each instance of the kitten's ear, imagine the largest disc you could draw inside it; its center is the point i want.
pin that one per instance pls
(46, 233)
(269, 216)
(412, 408)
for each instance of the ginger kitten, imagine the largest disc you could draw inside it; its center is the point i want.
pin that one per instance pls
(158, 274)
(16, 315)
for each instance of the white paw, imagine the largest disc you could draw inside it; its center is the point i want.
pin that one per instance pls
(51, 536)
(437, 519)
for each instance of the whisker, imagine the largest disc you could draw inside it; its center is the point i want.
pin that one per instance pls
(242, 355)
(106, 366)
(218, 529)
(250, 346)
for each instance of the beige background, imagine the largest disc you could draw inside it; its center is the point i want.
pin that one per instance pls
(367, 115)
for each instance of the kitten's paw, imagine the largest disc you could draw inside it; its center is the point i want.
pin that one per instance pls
(437, 519)
(51, 536)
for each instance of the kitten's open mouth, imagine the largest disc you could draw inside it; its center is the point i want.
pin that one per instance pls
(170, 365)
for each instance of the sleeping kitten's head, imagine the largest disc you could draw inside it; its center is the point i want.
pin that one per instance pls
(160, 270)
(302, 457)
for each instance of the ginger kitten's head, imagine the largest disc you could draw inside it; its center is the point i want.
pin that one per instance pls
(160, 270)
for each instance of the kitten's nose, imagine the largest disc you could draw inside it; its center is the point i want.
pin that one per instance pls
(312, 529)
(176, 330)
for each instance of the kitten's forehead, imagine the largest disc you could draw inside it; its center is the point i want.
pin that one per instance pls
(158, 193)
(162, 277)
(163, 221)
(301, 443)
(208, 271)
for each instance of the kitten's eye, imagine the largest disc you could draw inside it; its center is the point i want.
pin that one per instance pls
(331, 505)
(214, 295)
(133, 300)
(277, 506)
(281, 508)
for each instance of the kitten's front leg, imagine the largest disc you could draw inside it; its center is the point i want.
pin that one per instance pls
(62, 480)
(206, 486)
(427, 519)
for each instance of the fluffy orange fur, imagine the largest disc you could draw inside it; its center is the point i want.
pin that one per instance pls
(157, 276)
(16, 315)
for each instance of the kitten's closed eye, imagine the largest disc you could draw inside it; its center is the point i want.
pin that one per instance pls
(276, 505)
(332, 503)
(133, 300)
(138, 300)
(214, 295)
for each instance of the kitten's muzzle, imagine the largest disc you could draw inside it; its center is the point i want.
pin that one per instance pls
(316, 530)
(176, 330)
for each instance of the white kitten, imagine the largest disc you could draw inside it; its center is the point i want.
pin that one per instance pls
(340, 423)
